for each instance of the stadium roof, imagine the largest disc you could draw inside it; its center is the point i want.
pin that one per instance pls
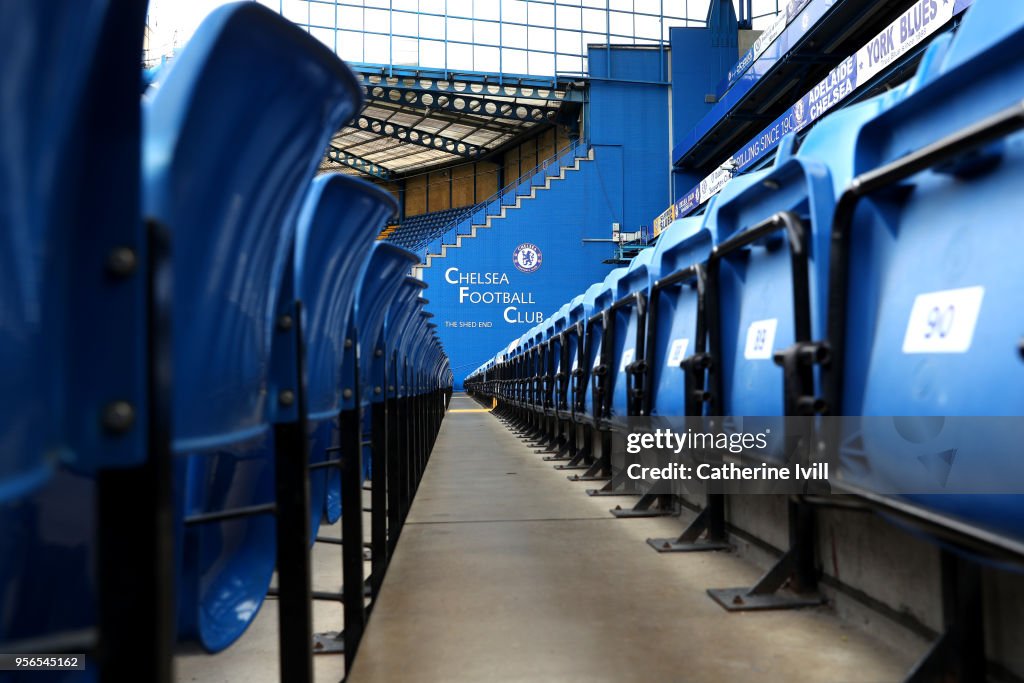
(416, 119)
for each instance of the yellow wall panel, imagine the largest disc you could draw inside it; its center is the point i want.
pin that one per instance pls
(511, 165)
(546, 145)
(416, 196)
(463, 192)
(561, 138)
(527, 156)
(439, 192)
(486, 180)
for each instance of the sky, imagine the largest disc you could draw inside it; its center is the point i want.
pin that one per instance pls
(364, 27)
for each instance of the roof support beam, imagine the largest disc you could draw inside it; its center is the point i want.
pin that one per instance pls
(358, 163)
(452, 83)
(458, 103)
(452, 117)
(418, 137)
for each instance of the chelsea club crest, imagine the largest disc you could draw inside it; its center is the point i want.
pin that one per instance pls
(527, 257)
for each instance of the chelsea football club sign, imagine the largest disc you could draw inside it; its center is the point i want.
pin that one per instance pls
(527, 257)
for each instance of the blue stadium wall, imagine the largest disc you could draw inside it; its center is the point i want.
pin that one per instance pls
(700, 58)
(480, 299)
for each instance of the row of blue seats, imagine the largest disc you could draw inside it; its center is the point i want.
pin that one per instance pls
(185, 310)
(871, 271)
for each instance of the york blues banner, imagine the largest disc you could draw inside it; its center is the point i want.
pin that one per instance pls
(664, 220)
(910, 29)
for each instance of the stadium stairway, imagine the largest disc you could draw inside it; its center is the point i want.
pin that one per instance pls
(525, 189)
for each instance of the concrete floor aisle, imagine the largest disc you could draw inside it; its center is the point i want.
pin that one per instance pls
(506, 571)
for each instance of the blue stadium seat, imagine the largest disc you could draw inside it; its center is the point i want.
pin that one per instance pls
(374, 306)
(73, 337)
(766, 280)
(549, 365)
(677, 327)
(403, 312)
(519, 362)
(560, 366)
(406, 347)
(418, 353)
(572, 343)
(926, 290)
(579, 316)
(536, 365)
(379, 280)
(268, 97)
(339, 219)
(402, 337)
(596, 399)
(627, 336)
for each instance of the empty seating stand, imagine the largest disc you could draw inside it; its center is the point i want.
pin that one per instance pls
(869, 272)
(415, 232)
(194, 333)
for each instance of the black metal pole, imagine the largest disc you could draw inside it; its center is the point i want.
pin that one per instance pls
(379, 494)
(136, 605)
(291, 458)
(351, 429)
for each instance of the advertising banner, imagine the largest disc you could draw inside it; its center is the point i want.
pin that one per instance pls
(664, 220)
(786, 19)
(907, 31)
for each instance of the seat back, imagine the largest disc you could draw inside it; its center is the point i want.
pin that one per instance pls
(382, 276)
(579, 316)
(219, 206)
(63, 82)
(339, 219)
(939, 299)
(676, 329)
(73, 292)
(627, 333)
(766, 280)
(928, 280)
(265, 97)
(406, 344)
(572, 346)
(338, 223)
(395, 326)
(558, 366)
(420, 352)
(596, 400)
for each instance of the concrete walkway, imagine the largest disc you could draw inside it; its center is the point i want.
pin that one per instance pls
(506, 571)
